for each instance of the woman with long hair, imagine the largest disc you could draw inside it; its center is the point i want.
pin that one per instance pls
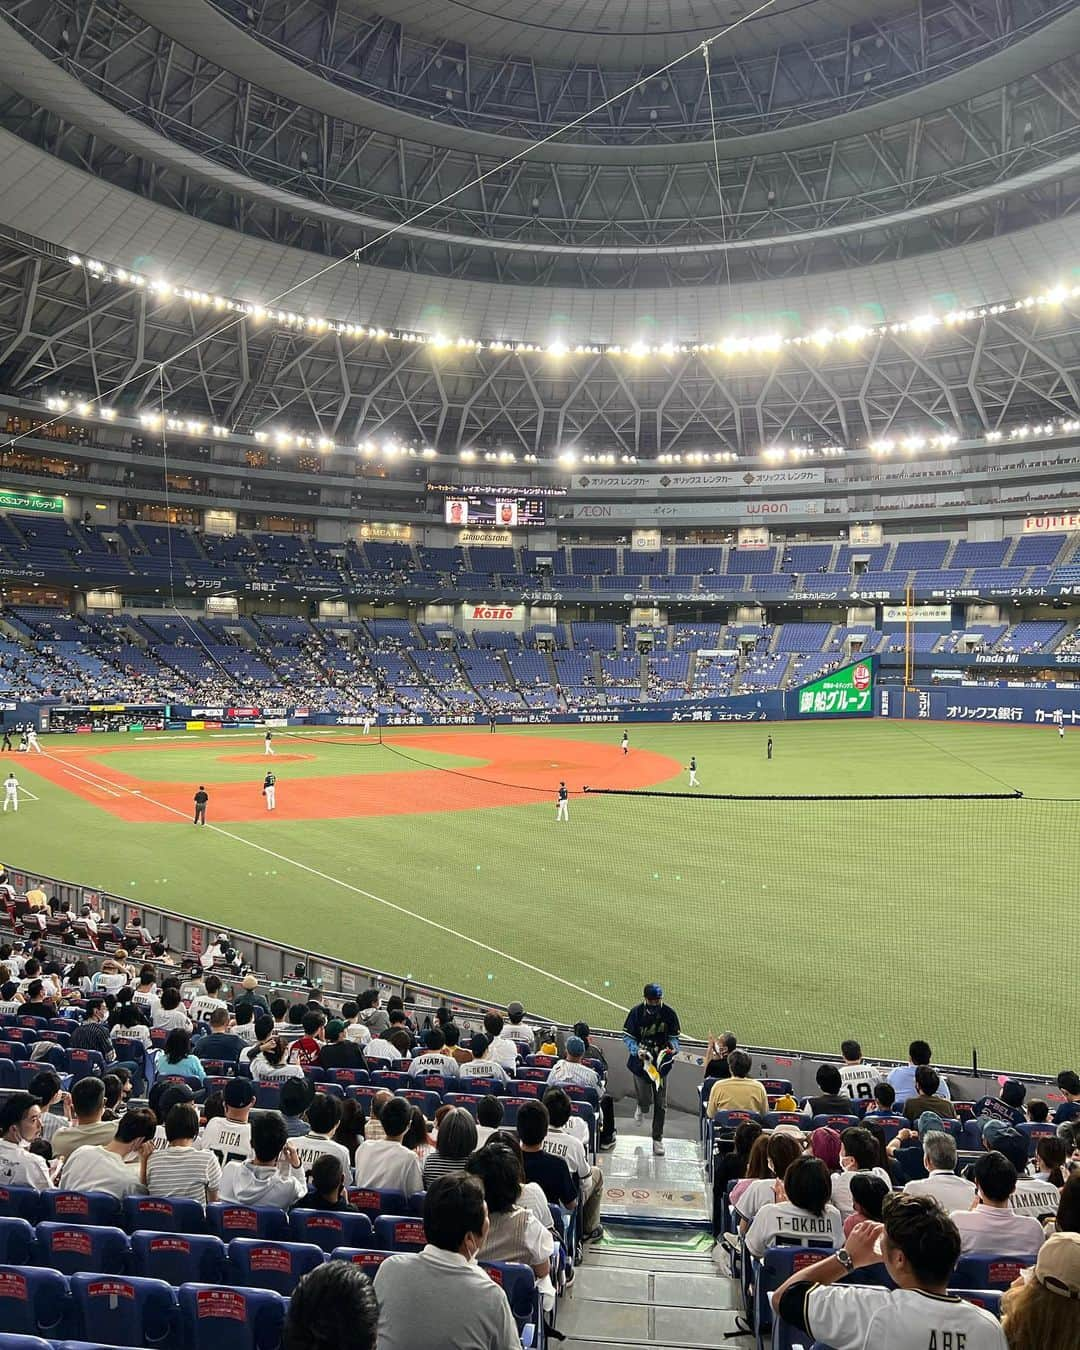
(1042, 1311)
(805, 1214)
(781, 1151)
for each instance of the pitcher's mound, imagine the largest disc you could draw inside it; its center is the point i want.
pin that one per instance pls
(268, 760)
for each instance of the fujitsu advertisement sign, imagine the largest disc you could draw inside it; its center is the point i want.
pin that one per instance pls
(494, 614)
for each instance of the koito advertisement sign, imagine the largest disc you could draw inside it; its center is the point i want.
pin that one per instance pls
(480, 614)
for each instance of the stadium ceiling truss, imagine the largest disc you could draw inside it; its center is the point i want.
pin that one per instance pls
(966, 155)
(60, 329)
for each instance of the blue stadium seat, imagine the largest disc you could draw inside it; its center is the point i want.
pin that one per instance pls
(346, 1078)
(989, 1272)
(23, 1201)
(85, 1064)
(12, 1341)
(16, 1242)
(367, 1258)
(1036, 1130)
(267, 1096)
(71, 1248)
(329, 1230)
(179, 1258)
(96, 1207)
(34, 1302)
(395, 1233)
(428, 1102)
(228, 1221)
(273, 1265)
(163, 1215)
(217, 1318)
(124, 1310)
(837, 1122)
(518, 1283)
(990, 1299)
(374, 1203)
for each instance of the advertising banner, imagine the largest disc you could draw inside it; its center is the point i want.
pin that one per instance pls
(11, 499)
(488, 538)
(847, 692)
(479, 614)
(669, 484)
(1052, 524)
(898, 614)
(752, 508)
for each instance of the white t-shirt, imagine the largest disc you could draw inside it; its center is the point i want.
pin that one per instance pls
(229, 1139)
(950, 1191)
(255, 1184)
(97, 1168)
(183, 1173)
(787, 1222)
(852, 1317)
(311, 1147)
(986, 1231)
(568, 1147)
(139, 1033)
(20, 1167)
(170, 1019)
(504, 1052)
(380, 1049)
(859, 1080)
(148, 1001)
(522, 1034)
(265, 1072)
(758, 1193)
(203, 1006)
(384, 1165)
(841, 1189)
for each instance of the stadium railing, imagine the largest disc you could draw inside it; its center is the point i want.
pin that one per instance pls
(336, 980)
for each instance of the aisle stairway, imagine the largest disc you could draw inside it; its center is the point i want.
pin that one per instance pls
(651, 1280)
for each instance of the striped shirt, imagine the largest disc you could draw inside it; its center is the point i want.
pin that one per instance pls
(579, 1075)
(183, 1173)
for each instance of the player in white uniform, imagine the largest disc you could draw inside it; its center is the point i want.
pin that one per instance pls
(11, 792)
(32, 741)
(562, 804)
(625, 743)
(269, 790)
(692, 769)
(1059, 722)
(367, 724)
(268, 747)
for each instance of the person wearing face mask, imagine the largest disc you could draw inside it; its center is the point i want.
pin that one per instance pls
(651, 1033)
(471, 1308)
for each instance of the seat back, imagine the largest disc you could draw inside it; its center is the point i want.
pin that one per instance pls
(367, 1258)
(124, 1310)
(96, 1207)
(228, 1221)
(428, 1102)
(85, 1064)
(273, 1265)
(328, 1230)
(396, 1234)
(34, 1302)
(179, 1257)
(16, 1242)
(990, 1299)
(217, 1318)
(989, 1272)
(839, 1123)
(519, 1285)
(374, 1203)
(163, 1214)
(71, 1248)
(22, 1201)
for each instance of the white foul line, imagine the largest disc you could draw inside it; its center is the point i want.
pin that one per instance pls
(92, 779)
(348, 886)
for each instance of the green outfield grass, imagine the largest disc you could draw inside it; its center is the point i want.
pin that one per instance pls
(795, 924)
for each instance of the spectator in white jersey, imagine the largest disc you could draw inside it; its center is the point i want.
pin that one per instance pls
(229, 1136)
(323, 1118)
(379, 1048)
(209, 1001)
(857, 1078)
(516, 1029)
(804, 1216)
(482, 1066)
(171, 1013)
(571, 1069)
(182, 1169)
(919, 1245)
(434, 1060)
(146, 993)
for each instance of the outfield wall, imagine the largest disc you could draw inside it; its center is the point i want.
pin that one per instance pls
(1017, 706)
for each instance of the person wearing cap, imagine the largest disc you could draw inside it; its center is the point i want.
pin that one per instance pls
(1044, 1311)
(920, 1246)
(571, 1069)
(482, 1068)
(216, 951)
(595, 1053)
(516, 1030)
(229, 1136)
(249, 993)
(941, 1182)
(338, 1052)
(993, 1227)
(1032, 1196)
(651, 1034)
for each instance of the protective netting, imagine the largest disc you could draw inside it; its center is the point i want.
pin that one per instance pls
(796, 922)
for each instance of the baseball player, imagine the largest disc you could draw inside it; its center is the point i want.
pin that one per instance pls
(268, 747)
(692, 768)
(7, 739)
(625, 743)
(269, 790)
(1059, 722)
(11, 791)
(32, 741)
(367, 724)
(562, 804)
(768, 748)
